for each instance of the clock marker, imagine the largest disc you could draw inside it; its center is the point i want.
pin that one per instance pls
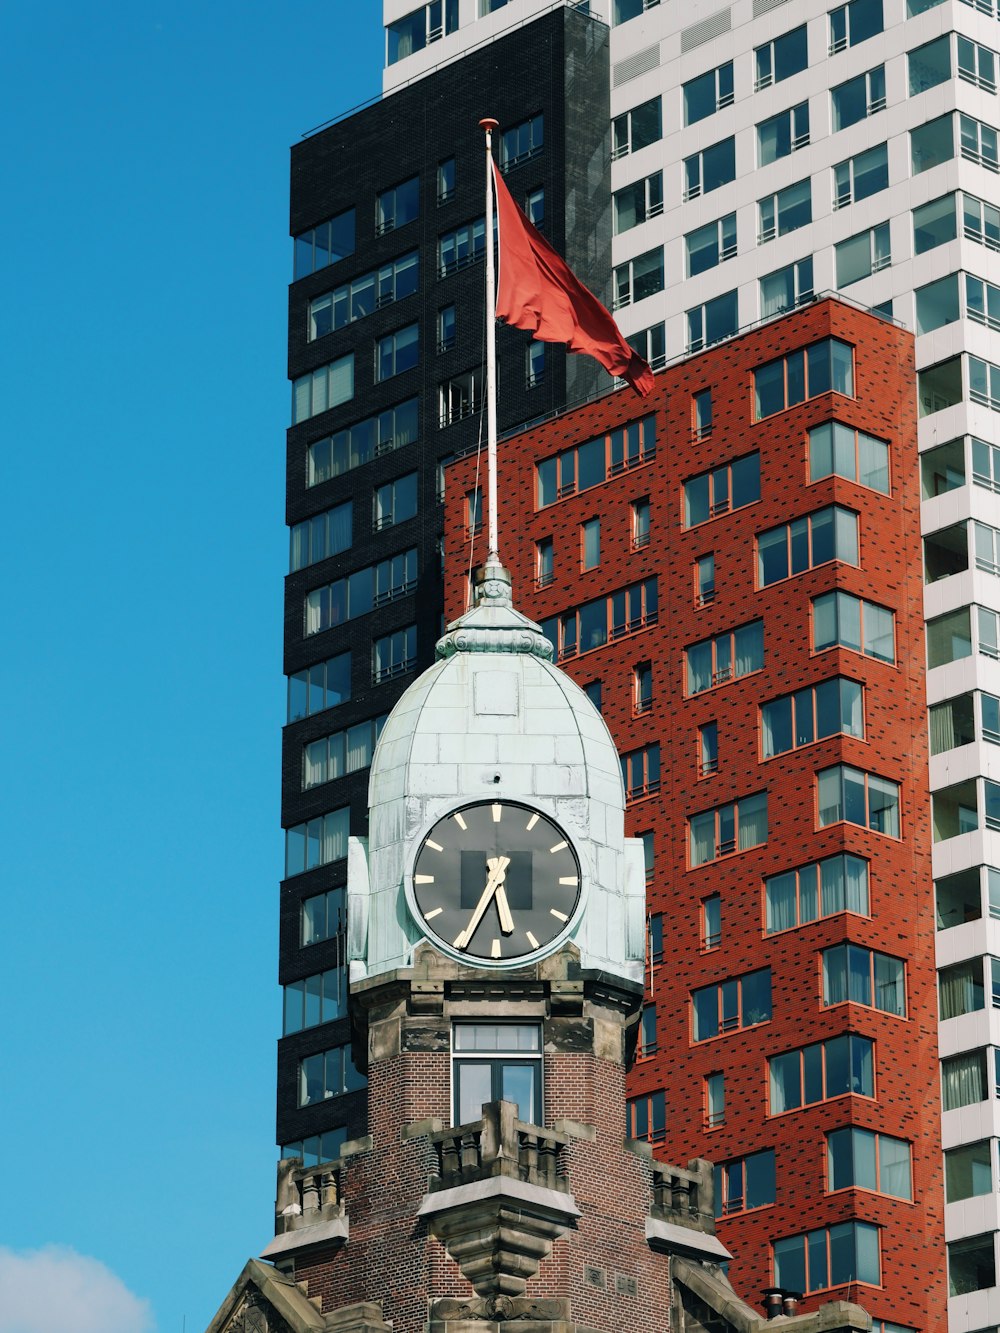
(531, 939)
(568, 879)
(559, 846)
(423, 879)
(435, 845)
(496, 814)
(459, 820)
(495, 951)
(531, 822)
(429, 916)
(560, 915)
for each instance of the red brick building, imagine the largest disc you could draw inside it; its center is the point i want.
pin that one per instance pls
(731, 569)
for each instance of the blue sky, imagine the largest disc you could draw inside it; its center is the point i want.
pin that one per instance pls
(145, 260)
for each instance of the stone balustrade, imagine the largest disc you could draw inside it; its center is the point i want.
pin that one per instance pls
(684, 1196)
(307, 1194)
(500, 1145)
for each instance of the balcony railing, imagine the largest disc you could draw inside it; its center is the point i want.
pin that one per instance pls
(500, 1145)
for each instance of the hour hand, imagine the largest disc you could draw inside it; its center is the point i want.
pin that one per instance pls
(503, 910)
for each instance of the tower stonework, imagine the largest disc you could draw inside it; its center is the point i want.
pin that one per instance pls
(495, 1187)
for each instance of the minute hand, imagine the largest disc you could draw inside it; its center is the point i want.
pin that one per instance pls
(498, 867)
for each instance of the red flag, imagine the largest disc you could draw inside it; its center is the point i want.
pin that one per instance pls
(538, 291)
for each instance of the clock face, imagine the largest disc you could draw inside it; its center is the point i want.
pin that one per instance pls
(496, 881)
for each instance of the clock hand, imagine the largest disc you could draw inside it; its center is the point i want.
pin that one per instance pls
(503, 909)
(497, 867)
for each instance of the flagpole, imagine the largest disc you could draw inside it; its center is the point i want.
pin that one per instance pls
(493, 552)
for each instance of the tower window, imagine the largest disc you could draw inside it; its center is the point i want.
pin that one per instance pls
(494, 1062)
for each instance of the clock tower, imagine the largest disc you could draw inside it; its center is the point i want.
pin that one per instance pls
(496, 938)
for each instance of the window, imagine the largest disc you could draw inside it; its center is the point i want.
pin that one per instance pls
(544, 562)
(321, 536)
(712, 167)
(715, 1100)
(781, 58)
(709, 323)
(860, 176)
(640, 522)
(636, 129)
(327, 387)
(638, 202)
(988, 626)
(701, 404)
(349, 448)
(987, 545)
(964, 1080)
(833, 707)
(639, 278)
(708, 93)
(534, 207)
(939, 386)
(654, 943)
(854, 975)
(824, 888)
(942, 469)
(494, 1062)
(747, 1182)
(623, 10)
(446, 180)
(341, 752)
(704, 580)
(863, 254)
(929, 65)
(786, 288)
(328, 1074)
(321, 686)
(594, 691)
(985, 464)
(785, 211)
(413, 31)
(641, 772)
(978, 142)
(647, 1044)
(314, 1000)
(826, 1069)
(968, 1171)
(711, 922)
(937, 303)
(708, 749)
(397, 352)
(590, 544)
(534, 364)
(782, 134)
(851, 796)
(822, 367)
(934, 224)
(318, 1147)
(459, 397)
(971, 1265)
(982, 302)
(850, 622)
(709, 246)
(842, 451)
(324, 916)
(732, 486)
(859, 97)
(932, 144)
(954, 811)
(981, 221)
(976, 64)
(316, 842)
(646, 1117)
(446, 328)
(394, 654)
(323, 245)
(651, 344)
(854, 23)
(741, 1002)
(725, 657)
(642, 688)
(959, 897)
(394, 502)
(360, 592)
(961, 989)
(831, 1256)
(828, 534)
(474, 511)
(953, 723)
(359, 297)
(459, 248)
(590, 463)
(522, 142)
(946, 552)
(984, 383)
(734, 827)
(605, 619)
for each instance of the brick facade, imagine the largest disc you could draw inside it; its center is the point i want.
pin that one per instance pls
(906, 1101)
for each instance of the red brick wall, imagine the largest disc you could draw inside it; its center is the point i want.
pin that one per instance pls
(907, 1091)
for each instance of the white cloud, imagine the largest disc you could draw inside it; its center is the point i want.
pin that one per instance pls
(56, 1288)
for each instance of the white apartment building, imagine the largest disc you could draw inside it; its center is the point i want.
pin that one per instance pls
(766, 150)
